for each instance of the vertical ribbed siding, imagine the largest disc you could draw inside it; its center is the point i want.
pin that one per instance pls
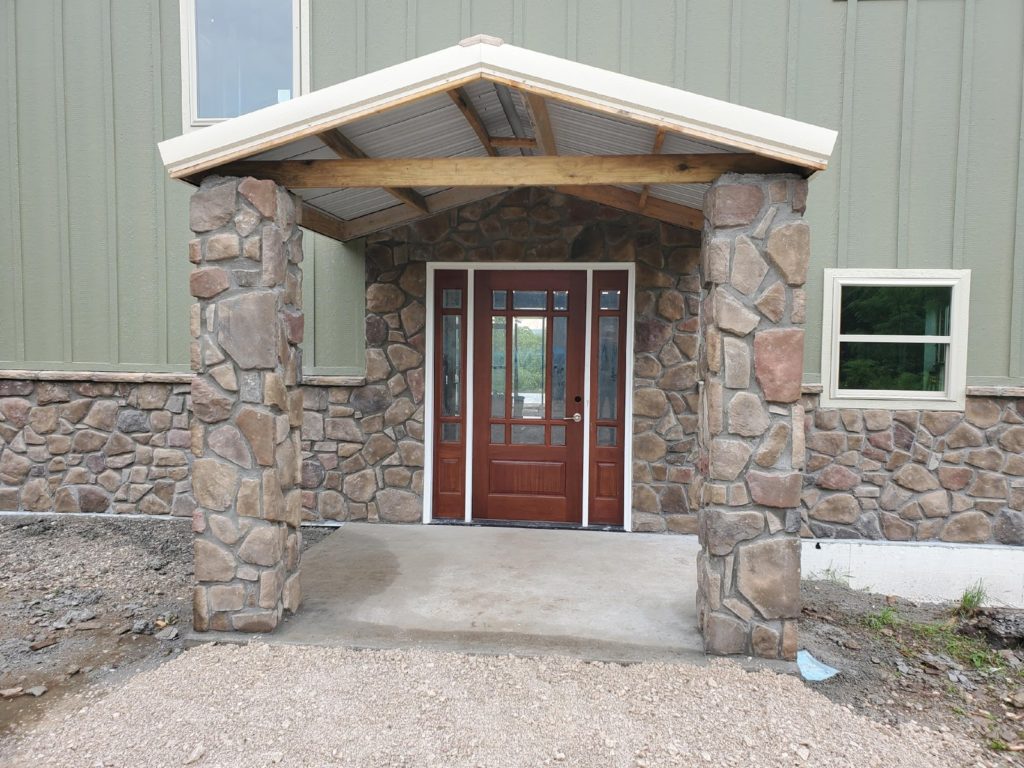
(927, 97)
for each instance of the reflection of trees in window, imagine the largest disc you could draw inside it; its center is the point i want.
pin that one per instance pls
(528, 359)
(896, 310)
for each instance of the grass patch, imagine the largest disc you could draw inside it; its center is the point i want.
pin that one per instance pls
(972, 599)
(887, 617)
(969, 651)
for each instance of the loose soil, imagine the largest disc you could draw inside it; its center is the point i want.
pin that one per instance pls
(84, 601)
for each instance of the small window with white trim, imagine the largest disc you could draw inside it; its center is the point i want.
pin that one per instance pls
(895, 338)
(240, 55)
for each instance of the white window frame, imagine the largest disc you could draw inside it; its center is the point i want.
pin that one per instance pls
(189, 90)
(953, 397)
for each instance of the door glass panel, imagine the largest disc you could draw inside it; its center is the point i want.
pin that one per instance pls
(606, 435)
(498, 433)
(529, 299)
(561, 300)
(451, 298)
(498, 367)
(558, 361)
(528, 369)
(528, 434)
(609, 300)
(558, 435)
(498, 299)
(450, 433)
(607, 367)
(451, 365)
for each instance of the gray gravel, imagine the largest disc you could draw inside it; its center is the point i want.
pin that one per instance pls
(261, 705)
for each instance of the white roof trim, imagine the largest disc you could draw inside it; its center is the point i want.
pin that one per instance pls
(728, 124)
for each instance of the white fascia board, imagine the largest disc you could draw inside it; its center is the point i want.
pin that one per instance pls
(743, 128)
(690, 113)
(320, 110)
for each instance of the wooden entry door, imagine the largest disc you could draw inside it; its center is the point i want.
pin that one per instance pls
(528, 372)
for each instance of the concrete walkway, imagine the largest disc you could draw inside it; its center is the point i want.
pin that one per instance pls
(594, 595)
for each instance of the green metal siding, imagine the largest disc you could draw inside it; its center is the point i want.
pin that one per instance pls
(926, 94)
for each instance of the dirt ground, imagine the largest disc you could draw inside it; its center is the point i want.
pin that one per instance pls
(86, 604)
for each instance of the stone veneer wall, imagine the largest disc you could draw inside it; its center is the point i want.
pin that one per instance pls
(916, 475)
(93, 446)
(363, 446)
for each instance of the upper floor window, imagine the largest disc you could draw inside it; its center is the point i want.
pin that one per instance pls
(240, 55)
(895, 338)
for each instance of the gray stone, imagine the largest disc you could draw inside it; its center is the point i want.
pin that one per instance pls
(1009, 528)
(733, 316)
(247, 329)
(227, 441)
(768, 576)
(721, 531)
(727, 458)
(737, 363)
(208, 403)
(397, 506)
(212, 207)
(748, 268)
(747, 415)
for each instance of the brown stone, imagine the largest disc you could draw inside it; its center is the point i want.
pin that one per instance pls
(768, 576)
(836, 477)
(212, 207)
(15, 411)
(914, 477)
(954, 478)
(839, 508)
(650, 402)
(44, 420)
(262, 193)
(254, 621)
(332, 506)
(778, 363)
(13, 468)
(207, 282)
(397, 506)
(208, 403)
(982, 412)
(773, 445)
(714, 256)
(361, 486)
(212, 562)
(781, 491)
(404, 357)
(934, 504)
(247, 329)
(772, 303)
(1013, 440)
(227, 441)
(894, 528)
(226, 597)
(748, 268)
(732, 316)
(263, 546)
(259, 429)
(273, 256)
(88, 440)
(214, 483)
(223, 246)
(989, 485)
(720, 530)
(939, 422)
(727, 458)
(789, 247)
(764, 642)
(399, 412)
(678, 378)
(967, 527)
(964, 436)
(724, 635)
(1009, 528)
(732, 205)
(747, 415)
(649, 447)
(384, 297)
(737, 363)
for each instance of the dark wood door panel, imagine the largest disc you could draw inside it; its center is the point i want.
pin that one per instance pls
(527, 477)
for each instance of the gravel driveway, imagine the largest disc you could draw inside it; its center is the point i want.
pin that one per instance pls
(261, 705)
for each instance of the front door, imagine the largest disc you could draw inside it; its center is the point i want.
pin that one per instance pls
(528, 361)
(529, 375)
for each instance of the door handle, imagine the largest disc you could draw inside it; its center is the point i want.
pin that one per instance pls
(575, 417)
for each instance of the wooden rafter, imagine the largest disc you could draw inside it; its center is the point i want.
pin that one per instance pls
(541, 122)
(506, 171)
(397, 215)
(659, 140)
(626, 200)
(469, 112)
(512, 142)
(344, 148)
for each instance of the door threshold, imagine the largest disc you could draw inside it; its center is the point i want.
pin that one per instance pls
(527, 524)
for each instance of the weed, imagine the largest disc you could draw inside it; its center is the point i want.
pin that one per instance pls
(997, 745)
(833, 575)
(972, 599)
(887, 617)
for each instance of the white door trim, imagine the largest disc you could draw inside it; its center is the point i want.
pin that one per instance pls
(429, 394)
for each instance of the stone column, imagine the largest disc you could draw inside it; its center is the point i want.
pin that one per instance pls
(247, 406)
(753, 268)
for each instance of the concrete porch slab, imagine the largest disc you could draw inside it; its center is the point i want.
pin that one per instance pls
(594, 595)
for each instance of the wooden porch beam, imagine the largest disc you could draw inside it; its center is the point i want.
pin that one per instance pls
(505, 171)
(343, 147)
(469, 112)
(318, 221)
(541, 122)
(393, 217)
(626, 200)
(659, 139)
